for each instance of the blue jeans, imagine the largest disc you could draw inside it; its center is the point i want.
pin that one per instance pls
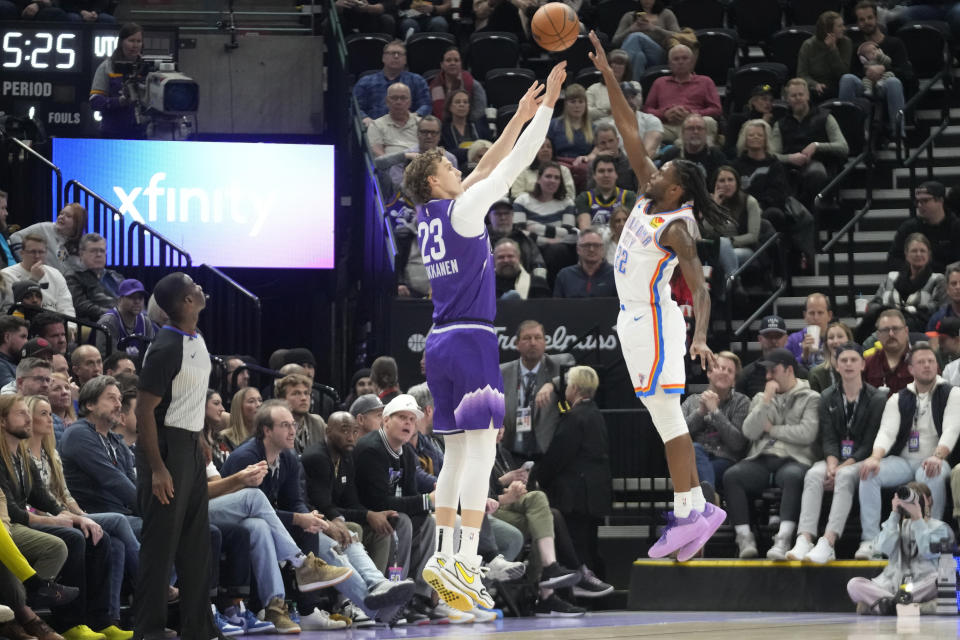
(509, 538)
(124, 554)
(891, 89)
(434, 24)
(893, 472)
(643, 51)
(710, 468)
(269, 541)
(950, 14)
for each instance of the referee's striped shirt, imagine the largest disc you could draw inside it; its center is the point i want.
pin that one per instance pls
(177, 369)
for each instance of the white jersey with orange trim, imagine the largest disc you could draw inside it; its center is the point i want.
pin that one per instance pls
(651, 327)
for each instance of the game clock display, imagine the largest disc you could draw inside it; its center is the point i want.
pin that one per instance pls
(35, 50)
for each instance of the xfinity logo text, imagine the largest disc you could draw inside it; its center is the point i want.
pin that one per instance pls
(234, 203)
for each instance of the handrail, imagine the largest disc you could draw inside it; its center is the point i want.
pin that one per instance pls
(239, 288)
(49, 165)
(255, 368)
(768, 245)
(93, 326)
(233, 322)
(154, 250)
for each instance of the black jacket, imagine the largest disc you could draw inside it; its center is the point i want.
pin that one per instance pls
(18, 497)
(864, 427)
(90, 298)
(575, 470)
(332, 494)
(376, 477)
(765, 180)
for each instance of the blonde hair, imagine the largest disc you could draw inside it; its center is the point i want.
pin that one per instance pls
(585, 379)
(476, 149)
(7, 401)
(58, 484)
(742, 137)
(732, 357)
(577, 91)
(71, 416)
(238, 431)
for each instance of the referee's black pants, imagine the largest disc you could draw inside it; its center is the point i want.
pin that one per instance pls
(177, 532)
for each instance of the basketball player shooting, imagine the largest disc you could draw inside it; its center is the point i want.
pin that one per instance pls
(660, 234)
(462, 358)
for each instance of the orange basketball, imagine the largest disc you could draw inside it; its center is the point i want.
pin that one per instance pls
(555, 26)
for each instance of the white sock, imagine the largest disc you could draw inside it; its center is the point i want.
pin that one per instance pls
(297, 560)
(742, 529)
(469, 541)
(444, 543)
(682, 504)
(787, 528)
(699, 502)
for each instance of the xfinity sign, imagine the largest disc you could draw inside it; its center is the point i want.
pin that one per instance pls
(226, 204)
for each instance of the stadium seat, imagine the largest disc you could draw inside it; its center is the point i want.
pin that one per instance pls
(718, 53)
(430, 75)
(425, 50)
(492, 50)
(756, 20)
(587, 77)
(698, 14)
(576, 56)
(784, 46)
(807, 11)
(650, 74)
(365, 51)
(507, 86)
(927, 46)
(852, 119)
(503, 116)
(743, 79)
(609, 12)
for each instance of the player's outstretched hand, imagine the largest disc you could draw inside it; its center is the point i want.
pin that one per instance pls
(555, 83)
(530, 101)
(699, 349)
(599, 56)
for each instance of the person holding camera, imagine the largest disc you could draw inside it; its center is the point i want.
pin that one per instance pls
(849, 413)
(912, 540)
(918, 430)
(109, 93)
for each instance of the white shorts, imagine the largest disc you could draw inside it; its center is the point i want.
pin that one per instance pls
(654, 342)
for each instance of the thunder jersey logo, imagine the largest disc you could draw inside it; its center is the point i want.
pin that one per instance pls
(657, 221)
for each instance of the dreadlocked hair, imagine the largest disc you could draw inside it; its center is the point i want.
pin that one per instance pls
(695, 190)
(415, 183)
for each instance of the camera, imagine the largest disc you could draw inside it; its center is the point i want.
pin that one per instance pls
(165, 101)
(907, 495)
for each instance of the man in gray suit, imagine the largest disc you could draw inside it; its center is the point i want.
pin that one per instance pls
(531, 417)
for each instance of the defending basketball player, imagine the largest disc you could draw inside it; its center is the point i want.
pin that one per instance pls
(660, 234)
(462, 358)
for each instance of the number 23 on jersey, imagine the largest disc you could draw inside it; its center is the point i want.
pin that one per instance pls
(431, 240)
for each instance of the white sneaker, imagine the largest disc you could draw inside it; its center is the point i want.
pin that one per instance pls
(461, 575)
(6, 613)
(436, 574)
(502, 570)
(483, 615)
(747, 546)
(801, 549)
(356, 614)
(320, 620)
(778, 552)
(822, 553)
(453, 615)
(864, 551)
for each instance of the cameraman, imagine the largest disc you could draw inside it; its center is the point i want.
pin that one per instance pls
(910, 547)
(110, 91)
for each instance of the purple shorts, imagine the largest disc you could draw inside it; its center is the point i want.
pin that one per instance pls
(463, 373)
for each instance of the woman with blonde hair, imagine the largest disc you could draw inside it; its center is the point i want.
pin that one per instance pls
(571, 133)
(825, 374)
(60, 396)
(124, 547)
(243, 407)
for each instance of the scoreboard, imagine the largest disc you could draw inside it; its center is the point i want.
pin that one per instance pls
(46, 70)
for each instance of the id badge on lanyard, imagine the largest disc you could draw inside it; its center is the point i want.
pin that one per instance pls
(846, 449)
(524, 420)
(913, 444)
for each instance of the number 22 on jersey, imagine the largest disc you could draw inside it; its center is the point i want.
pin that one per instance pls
(621, 260)
(431, 240)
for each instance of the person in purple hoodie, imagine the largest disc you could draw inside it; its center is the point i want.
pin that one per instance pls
(806, 348)
(462, 357)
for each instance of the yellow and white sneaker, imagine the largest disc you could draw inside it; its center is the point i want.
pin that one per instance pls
(436, 575)
(465, 575)
(452, 615)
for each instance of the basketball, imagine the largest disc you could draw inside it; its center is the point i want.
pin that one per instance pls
(555, 26)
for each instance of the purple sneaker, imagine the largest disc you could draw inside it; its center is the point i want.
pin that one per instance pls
(678, 533)
(714, 517)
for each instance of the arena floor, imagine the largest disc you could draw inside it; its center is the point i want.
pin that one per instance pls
(707, 626)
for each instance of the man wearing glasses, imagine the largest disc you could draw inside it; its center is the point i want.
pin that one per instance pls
(888, 368)
(940, 226)
(33, 377)
(94, 287)
(592, 276)
(428, 137)
(372, 90)
(56, 294)
(395, 131)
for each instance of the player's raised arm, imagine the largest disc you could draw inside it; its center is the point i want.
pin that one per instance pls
(623, 116)
(682, 243)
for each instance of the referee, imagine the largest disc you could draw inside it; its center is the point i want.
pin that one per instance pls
(172, 483)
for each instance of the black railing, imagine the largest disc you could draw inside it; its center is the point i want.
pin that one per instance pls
(227, 382)
(772, 244)
(87, 330)
(231, 322)
(26, 151)
(904, 157)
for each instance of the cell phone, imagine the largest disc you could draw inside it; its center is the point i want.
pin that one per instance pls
(640, 14)
(527, 465)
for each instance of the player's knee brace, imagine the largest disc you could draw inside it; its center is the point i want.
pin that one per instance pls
(666, 415)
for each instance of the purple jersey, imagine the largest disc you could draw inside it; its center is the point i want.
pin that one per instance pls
(460, 268)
